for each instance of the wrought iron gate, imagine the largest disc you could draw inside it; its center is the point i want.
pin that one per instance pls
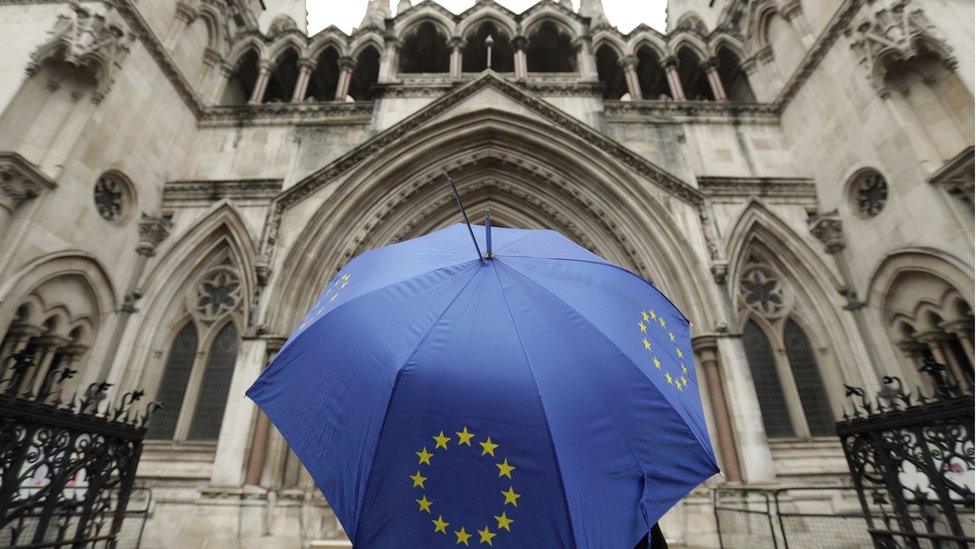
(67, 467)
(911, 461)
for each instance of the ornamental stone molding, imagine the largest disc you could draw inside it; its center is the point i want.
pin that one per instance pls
(152, 231)
(20, 181)
(829, 229)
(894, 30)
(89, 40)
(956, 176)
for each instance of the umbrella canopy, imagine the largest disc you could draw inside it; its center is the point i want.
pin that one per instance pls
(544, 397)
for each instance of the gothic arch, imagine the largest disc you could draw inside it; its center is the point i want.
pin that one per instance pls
(693, 43)
(605, 37)
(221, 232)
(214, 19)
(500, 18)
(281, 46)
(549, 13)
(411, 23)
(363, 41)
(652, 40)
(529, 172)
(245, 45)
(926, 260)
(326, 39)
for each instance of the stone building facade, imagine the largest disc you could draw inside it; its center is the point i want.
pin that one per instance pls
(180, 178)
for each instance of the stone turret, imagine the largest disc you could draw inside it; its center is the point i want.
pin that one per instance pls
(594, 10)
(402, 6)
(377, 11)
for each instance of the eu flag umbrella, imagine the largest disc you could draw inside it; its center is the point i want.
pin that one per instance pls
(542, 397)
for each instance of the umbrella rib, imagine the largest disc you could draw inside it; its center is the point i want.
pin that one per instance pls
(396, 381)
(545, 419)
(611, 342)
(605, 264)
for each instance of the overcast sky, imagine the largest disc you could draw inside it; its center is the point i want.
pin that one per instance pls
(346, 14)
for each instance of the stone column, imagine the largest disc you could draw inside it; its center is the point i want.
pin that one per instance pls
(629, 66)
(235, 429)
(19, 335)
(48, 347)
(221, 83)
(706, 347)
(388, 61)
(346, 67)
(938, 344)
(456, 44)
(305, 68)
(261, 84)
(185, 14)
(962, 329)
(585, 60)
(714, 81)
(520, 44)
(262, 429)
(670, 66)
(755, 458)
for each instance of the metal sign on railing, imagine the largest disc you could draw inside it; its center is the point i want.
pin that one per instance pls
(67, 466)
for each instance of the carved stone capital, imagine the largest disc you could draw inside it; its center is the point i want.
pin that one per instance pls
(347, 63)
(91, 41)
(20, 181)
(829, 229)
(720, 271)
(307, 63)
(520, 43)
(790, 9)
(152, 231)
(706, 347)
(185, 11)
(262, 272)
(628, 62)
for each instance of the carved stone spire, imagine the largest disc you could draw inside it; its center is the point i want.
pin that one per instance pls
(568, 4)
(377, 11)
(594, 10)
(402, 6)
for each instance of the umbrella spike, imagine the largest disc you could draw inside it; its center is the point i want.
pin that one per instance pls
(488, 254)
(464, 214)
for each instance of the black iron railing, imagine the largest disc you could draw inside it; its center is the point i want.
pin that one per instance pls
(67, 465)
(910, 455)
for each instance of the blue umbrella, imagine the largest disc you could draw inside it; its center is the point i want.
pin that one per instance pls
(542, 397)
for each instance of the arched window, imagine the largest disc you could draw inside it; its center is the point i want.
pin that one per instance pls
(172, 387)
(474, 57)
(653, 82)
(765, 377)
(425, 51)
(609, 72)
(241, 83)
(281, 84)
(212, 398)
(733, 78)
(550, 50)
(324, 79)
(809, 384)
(694, 80)
(366, 73)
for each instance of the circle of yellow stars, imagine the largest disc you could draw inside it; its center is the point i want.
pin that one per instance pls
(649, 323)
(332, 292)
(464, 437)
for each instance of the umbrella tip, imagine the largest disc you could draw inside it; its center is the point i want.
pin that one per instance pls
(488, 254)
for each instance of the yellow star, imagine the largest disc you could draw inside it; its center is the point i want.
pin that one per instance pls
(440, 525)
(657, 363)
(677, 384)
(684, 381)
(441, 441)
(504, 521)
(462, 536)
(661, 320)
(333, 297)
(418, 480)
(643, 327)
(424, 504)
(644, 316)
(653, 315)
(345, 276)
(684, 369)
(488, 447)
(671, 335)
(504, 469)
(464, 437)
(647, 344)
(511, 496)
(667, 376)
(680, 354)
(424, 456)
(486, 535)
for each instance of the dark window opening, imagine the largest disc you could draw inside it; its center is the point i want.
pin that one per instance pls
(550, 50)
(474, 56)
(765, 378)
(693, 78)
(240, 86)
(281, 84)
(610, 73)
(653, 81)
(425, 51)
(324, 79)
(809, 383)
(733, 78)
(365, 75)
